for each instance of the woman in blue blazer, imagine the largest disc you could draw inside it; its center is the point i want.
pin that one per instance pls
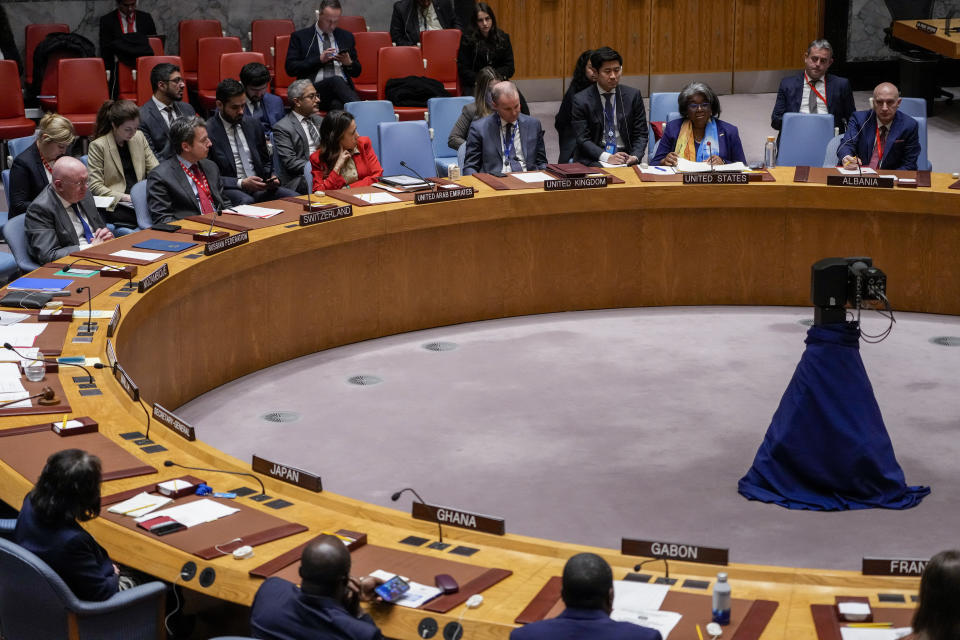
(699, 135)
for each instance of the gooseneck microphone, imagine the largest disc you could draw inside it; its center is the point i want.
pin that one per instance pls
(171, 463)
(128, 271)
(433, 185)
(396, 496)
(89, 323)
(8, 346)
(666, 566)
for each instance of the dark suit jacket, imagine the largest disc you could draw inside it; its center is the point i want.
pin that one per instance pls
(293, 151)
(71, 552)
(484, 146)
(27, 180)
(221, 153)
(110, 30)
(405, 22)
(728, 141)
(282, 612)
(271, 110)
(839, 100)
(170, 196)
(588, 123)
(49, 227)
(577, 624)
(475, 54)
(154, 126)
(303, 56)
(901, 149)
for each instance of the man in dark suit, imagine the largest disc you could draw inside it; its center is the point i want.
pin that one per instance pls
(63, 218)
(882, 137)
(324, 607)
(327, 55)
(163, 107)
(239, 147)
(185, 184)
(297, 135)
(410, 17)
(261, 104)
(814, 90)
(587, 592)
(116, 39)
(608, 118)
(506, 140)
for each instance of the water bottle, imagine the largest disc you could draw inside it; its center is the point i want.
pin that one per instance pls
(721, 597)
(770, 152)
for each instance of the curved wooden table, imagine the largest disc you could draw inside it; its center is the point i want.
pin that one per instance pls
(392, 269)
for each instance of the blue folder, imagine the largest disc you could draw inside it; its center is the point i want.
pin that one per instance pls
(40, 284)
(170, 246)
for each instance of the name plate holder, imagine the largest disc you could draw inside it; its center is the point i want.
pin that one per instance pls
(458, 518)
(114, 321)
(147, 283)
(229, 242)
(896, 567)
(564, 184)
(288, 474)
(175, 424)
(716, 177)
(443, 195)
(326, 214)
(926, 28)
(872, 181)
(674, 551)
(127, 383)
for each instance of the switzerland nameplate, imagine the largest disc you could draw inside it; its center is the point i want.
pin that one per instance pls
(716, 178)
(562, 184)
(442, 195)
(226, 243)
(174, 423)
(457, 518)
(893, 567)
(290, 475)
(325, 215)
(153, 278)
(674, 551)
(860, 181)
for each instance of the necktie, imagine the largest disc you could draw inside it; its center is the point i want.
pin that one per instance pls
(314, 134)
(508, 149)
(168, 112)
(206, 206)
(87, 233)
(877, 158)
(609, 124)
(812, 103)
(244, 158)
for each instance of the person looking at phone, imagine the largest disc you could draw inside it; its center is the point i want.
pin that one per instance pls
(326, 606)
(343, 158)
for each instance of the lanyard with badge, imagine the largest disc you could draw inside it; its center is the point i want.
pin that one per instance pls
(814, 89)
(610, 126)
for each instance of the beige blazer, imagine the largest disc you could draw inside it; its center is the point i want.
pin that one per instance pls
(105, 169)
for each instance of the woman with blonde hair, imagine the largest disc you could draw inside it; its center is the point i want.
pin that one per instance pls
(481, 106)
(31, 170)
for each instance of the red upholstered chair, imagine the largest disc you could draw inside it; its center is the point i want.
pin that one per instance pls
(208, 69)
(145, 65)
(353, 24)
(190, 33)
(263, 34)
(282, 79)
(369, 44)
(51, 80)
(399, 62)
(33, 35)
(13, 124)
(82, 88)
(440, 51)
(231, 63)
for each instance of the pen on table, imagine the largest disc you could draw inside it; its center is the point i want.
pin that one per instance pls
(699, 633)
(658, 168)
(140, 508)
(64, 425)
(871, 625)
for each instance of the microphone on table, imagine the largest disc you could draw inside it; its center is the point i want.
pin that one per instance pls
(171, 463)
(709, 149)
(666, 565)
(127, 271)
(396, 496)
(433, 185)
(89, 323)
(8, 346)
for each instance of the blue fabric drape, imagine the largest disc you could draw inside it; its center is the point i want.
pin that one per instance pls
(827, 448)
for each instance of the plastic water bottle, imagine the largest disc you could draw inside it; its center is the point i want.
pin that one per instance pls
(770, 152)
(721, 599)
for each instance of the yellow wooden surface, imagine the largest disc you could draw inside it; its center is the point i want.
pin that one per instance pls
(939, 42)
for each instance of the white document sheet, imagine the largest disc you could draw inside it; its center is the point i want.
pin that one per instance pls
(10, 379)
(377, 198)
(252, 211)
(607, 165)
(7, 397)
(102, 202)
(23, 334)
(10, 356)
(638, 596)
(418, 594)
(139, 505)
(866, 633)
(856, 172)
(137, 255)
(194, 513)
(659, 171)
(84, 314)
(662, 621)
(686, 166)
(8, 318)
(731, 166)
(533, 176)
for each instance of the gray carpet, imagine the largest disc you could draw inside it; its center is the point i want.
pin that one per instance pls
(585, 427)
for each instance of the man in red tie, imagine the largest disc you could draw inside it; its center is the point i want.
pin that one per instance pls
(187, 184)
(881, 138)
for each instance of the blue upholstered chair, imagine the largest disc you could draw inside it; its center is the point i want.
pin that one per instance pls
(7, 525)
(16, 237)
(923, 162)
(408, 141)
(369, 114)
(916, 107)
(138, 193)
(804, 138)
(36, 603)
(443, 114)
(4, 215)
(308, 174)
(18, 145)
(461, 155)
(661, 106)
(830, 157)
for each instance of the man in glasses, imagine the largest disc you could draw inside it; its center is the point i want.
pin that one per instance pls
(164, 106)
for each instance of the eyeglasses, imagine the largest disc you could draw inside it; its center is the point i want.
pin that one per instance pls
(698, 106)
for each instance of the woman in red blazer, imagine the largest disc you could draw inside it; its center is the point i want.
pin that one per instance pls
(343, 159)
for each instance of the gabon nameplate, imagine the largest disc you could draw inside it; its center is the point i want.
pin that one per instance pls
(442, 195)
(458, 518)
(290, 475)
(563, 184)
(874, 181)
(674, 551)
(152, 279)
(718, 177)
(175, 424)
(904, 567)
(325, 215)
(226, 243)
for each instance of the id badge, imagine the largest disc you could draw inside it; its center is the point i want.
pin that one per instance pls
(611, 146)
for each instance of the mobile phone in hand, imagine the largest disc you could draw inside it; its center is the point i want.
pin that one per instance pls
(392, 589)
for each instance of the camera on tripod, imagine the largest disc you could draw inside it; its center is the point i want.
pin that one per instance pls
(836, 282)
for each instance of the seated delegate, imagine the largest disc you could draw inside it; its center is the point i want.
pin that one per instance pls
(882, 137)
(481, 107)
(507, 140)
(119, 157)
(31, 170)
(699, 135)
(344, 158)
(584, 75)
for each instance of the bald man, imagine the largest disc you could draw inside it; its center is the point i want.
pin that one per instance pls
(506, 140)
(882, 137)
(63, 218)
(324, 607)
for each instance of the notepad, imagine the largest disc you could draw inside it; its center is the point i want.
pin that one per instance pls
(102, 202)
(533, 176)
(194, 513)
(157, 244)
(22, 334)
(252, 211)
(78, 273)
(28, 353)
(662, 621)
(10, 379)
(862, 633)
(856, 172)
(659, 171)
(686, 166)
(140, 505)
(137, 255)
(377, 198)
(40, 284)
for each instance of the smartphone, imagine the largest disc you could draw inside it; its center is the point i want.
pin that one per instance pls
(163, 226)
(392, 589)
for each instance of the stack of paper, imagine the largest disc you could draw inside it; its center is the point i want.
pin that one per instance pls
(251, 211)
(28, 353)
(11, 386)
(731, 166)
(139, 505)
(686, 166)
(148, 256)
(377, 198)
(639, 603)
(416, 596)
(9, 317)
(659, 171)
(857, 171)
(866, 633)
(23, 334)
(194, 513)
(533, 176)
